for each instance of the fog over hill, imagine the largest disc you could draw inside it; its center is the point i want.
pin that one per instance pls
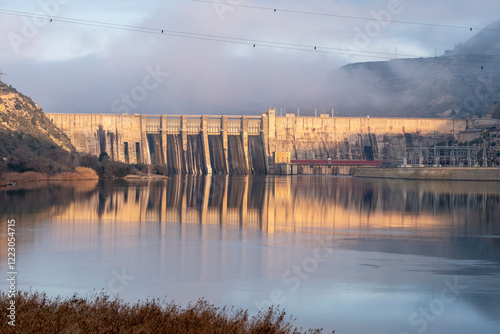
(463, 82)
(486, 42)
(236, 59)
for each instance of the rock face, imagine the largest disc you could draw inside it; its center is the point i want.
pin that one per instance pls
(21, 117)
(494, 111)
(28, 138)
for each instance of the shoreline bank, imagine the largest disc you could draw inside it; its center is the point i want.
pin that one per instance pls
(80, 174)
(432, 173)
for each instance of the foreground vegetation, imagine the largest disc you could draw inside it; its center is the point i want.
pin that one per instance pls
(80, 173)
(36, 313)
(76, 166)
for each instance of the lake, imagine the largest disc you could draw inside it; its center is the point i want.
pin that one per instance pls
(354, 255)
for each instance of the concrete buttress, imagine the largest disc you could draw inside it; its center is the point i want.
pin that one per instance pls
(145, 158)
(244, 139)
(225, 144)
(164, 139)
(206, 148)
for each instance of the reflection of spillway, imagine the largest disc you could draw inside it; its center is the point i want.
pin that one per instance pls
(294, 204)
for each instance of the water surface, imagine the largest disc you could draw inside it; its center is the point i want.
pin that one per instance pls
(353, 255)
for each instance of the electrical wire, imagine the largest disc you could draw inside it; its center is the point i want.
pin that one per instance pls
(277, 10)
(253, 42)
(227, 39)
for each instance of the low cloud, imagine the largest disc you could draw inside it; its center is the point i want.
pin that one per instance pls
(83, 68)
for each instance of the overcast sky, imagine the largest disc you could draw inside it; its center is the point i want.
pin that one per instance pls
(75, 64)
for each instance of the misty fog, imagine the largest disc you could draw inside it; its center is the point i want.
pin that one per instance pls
(82, 68)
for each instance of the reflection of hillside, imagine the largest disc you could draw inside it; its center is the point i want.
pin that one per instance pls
(31, 203)
(40, 198)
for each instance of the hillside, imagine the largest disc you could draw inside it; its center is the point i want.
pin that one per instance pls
(463, 82)
(486, 42)
(28, 139)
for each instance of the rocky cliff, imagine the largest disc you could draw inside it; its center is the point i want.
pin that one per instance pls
(28, 139)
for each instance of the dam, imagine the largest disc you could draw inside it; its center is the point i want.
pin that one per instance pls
(242, 145)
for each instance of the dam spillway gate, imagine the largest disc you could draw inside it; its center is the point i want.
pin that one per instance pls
(184, 144)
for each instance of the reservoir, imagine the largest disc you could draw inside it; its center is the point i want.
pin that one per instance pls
(346, 254)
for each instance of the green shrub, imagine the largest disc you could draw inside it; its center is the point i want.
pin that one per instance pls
(103, 156)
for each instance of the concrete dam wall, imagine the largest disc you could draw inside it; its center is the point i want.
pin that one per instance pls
(246, 144)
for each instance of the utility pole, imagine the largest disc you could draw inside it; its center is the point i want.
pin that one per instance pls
(405, 158)
(485, 157)
(469, 163)
(421, 156)
(435, 154)
(452, 156)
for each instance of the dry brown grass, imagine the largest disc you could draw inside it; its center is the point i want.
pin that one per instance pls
(80, 173)
(22, 177)
(36, 313)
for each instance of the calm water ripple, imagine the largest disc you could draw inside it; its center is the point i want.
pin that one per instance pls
(357, 256)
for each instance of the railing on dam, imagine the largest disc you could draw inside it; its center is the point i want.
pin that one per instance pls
(233, 126)
(194, 125)
(173, 126)
(214, 126)
(153, 125)
(254, 126)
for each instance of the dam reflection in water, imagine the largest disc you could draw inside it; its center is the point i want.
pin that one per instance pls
(297, 204)
(337, 252)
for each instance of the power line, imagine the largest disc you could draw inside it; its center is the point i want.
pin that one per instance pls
(276, 10)
(208, 37)
(227, 39)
